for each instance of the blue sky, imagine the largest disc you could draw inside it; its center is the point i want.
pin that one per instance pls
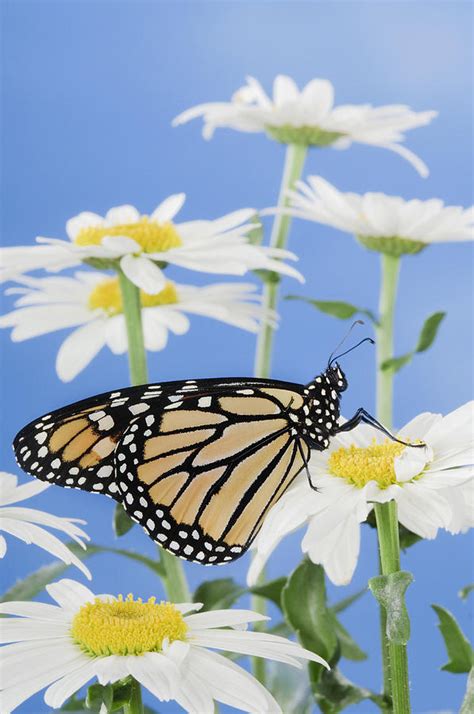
(89, 92)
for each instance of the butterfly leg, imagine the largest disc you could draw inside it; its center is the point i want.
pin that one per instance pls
(363, 417)
(308, 473)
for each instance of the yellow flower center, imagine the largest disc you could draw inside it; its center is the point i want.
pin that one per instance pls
(359, 465)
(126, 627)
(107, 296)
(153, 237)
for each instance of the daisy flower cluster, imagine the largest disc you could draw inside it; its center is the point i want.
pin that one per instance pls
(388, 224)
(140, 247)
(166, 647)
(91, 303)
(433, 488)
(309, 117)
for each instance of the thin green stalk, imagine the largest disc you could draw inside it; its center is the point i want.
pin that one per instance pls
(135, 705)
(394, 657)
(174, 579)
(389, 547)
(384, 333)
(294, 162)
(133, 321)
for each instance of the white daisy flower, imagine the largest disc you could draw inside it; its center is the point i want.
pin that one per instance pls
(91, 303)
(433, 488)
(83, 637)
(143, 245)
(381, 222)
(309, 117)
(26, 523)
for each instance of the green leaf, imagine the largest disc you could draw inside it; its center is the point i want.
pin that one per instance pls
(349, 647)
(29, 587)
(98, 694)
(467, 706)
(460, 652)
(122, 522)
(271, 590)
(217, 594)
(427, 337)
(389, 591)
(290, 687)
(429, 331)
(394, 364)
(73, 705)
(305, 609)
(407, 538)
(33, 584)
(336, 308)
(343, 604)
(465, 591)
(335, 692)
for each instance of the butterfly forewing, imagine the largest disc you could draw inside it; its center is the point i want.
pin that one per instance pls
(74, 447)
(200, 474)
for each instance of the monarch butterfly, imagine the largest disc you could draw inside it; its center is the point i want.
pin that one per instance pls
(197, 463)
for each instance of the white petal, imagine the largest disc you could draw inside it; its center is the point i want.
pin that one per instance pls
(222, 618)
(3, 546)
(19, 630)
(36, 610)
(155, 334)
(18, 493)
(284, 90)
(69, 594)
(79, 349)
(86, 219)
(422, 510)
(116, 334)
(144, 273)
(337, 550)
(122, 215)
(230, 684)
(418, 427)
(168, 209)
(30, 533)
(411, 462)
(121, 245)
(155, 672)
(69, 684)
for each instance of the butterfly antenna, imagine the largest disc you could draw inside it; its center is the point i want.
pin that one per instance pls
(331, 356)
(366, 339)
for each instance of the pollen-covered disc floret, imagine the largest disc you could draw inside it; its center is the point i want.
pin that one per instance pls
(359, 465)
(126, 626)
(106, 296)
(153, 237)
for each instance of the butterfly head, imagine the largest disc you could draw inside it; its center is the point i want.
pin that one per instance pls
(336, 377)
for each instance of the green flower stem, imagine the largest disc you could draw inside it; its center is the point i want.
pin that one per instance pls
(135, 705)
(174, 579)
(394, 657)
(133, 321)
(389, 547)
(175, 582)
(294, 162)
(384, 334)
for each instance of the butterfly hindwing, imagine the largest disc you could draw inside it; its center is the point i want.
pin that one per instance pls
(200, 473)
